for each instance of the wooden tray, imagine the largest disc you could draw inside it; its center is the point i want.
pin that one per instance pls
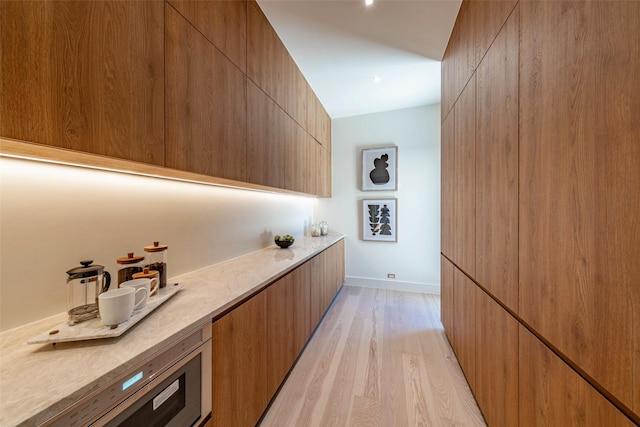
(94, 329)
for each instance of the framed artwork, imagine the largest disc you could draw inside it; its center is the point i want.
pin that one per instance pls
(379, 169)
(379, 220)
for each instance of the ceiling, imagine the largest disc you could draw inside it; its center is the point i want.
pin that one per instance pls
(340, 45)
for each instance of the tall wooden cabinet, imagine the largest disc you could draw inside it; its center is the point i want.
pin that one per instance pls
(85, 76)
(540, 237)
(579, 266)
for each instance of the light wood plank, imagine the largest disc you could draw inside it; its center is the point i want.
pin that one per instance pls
(379, 358)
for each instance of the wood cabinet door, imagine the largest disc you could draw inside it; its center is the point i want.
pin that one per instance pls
(239, 374)
(319, 301)
(302, 327)
(280, 332)
(448, 179)
(579, 181)
(496, 180)
(266, 139)
(84, 75)
(496, 355)
(222, 22)
(464, 304)
(266, 55)
(464, 182)
(447, 310)
(205, 104)
(551, 393)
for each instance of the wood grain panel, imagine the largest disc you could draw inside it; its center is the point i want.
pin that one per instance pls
(280, 332)
(488, 18)
(464, 295)
(302, 327)
(447, 308)
(318, 289)
(464, 181)
(323, 157)
(266, 55)
(295, 173)
(551, 393)
(459, 59)
(266, 130)
(448, 179)
(496, 355)
(222, 22)
(579, 180)
(497, 166)
(86, 76)
(205, 104)
(239, 373)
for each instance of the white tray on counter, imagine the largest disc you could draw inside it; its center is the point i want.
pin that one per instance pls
(94, 329)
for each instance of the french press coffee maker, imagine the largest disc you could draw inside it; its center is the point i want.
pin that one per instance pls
(84, 284)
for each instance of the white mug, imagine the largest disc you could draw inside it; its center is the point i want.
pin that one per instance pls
(115, 306)
(137, 284)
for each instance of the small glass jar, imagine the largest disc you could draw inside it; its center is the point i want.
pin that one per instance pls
(157, 260)
(315, 230)
(128, 266)
(324, 228)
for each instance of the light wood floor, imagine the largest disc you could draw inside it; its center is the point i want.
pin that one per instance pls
(379, 358)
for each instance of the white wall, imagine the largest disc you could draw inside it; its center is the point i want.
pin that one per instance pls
(415, 258)
(53, 216)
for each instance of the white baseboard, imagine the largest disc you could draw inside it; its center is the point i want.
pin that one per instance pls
(395, 285)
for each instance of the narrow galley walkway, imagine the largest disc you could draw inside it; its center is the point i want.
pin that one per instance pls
(379, 358)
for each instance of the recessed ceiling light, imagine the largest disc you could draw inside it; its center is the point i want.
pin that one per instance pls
(368, 2)
(377, 79)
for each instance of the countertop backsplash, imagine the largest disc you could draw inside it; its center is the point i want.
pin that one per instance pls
(53, 216)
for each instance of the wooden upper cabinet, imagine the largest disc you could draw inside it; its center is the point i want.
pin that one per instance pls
(271, 68)
(551, 393)
(86, 76)
(205, 104)
(223, 23)
(579, 181)
(266, 139)
(458, 62)
(477, 24)
(266, 55)
(488, 17)
(324, 175)
(464, 213)
(497, 167)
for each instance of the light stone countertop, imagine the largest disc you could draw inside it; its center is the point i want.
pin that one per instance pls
(39, 381)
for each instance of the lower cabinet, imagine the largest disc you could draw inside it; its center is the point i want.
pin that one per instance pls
(256, 344)
(496, 387)
(239, 374)
(516, 379)
(551, 393)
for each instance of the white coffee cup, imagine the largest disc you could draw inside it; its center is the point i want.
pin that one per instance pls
(116, 305)
(137, 284)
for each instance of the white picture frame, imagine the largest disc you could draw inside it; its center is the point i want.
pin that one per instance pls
(380, 169)
(380, 220)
